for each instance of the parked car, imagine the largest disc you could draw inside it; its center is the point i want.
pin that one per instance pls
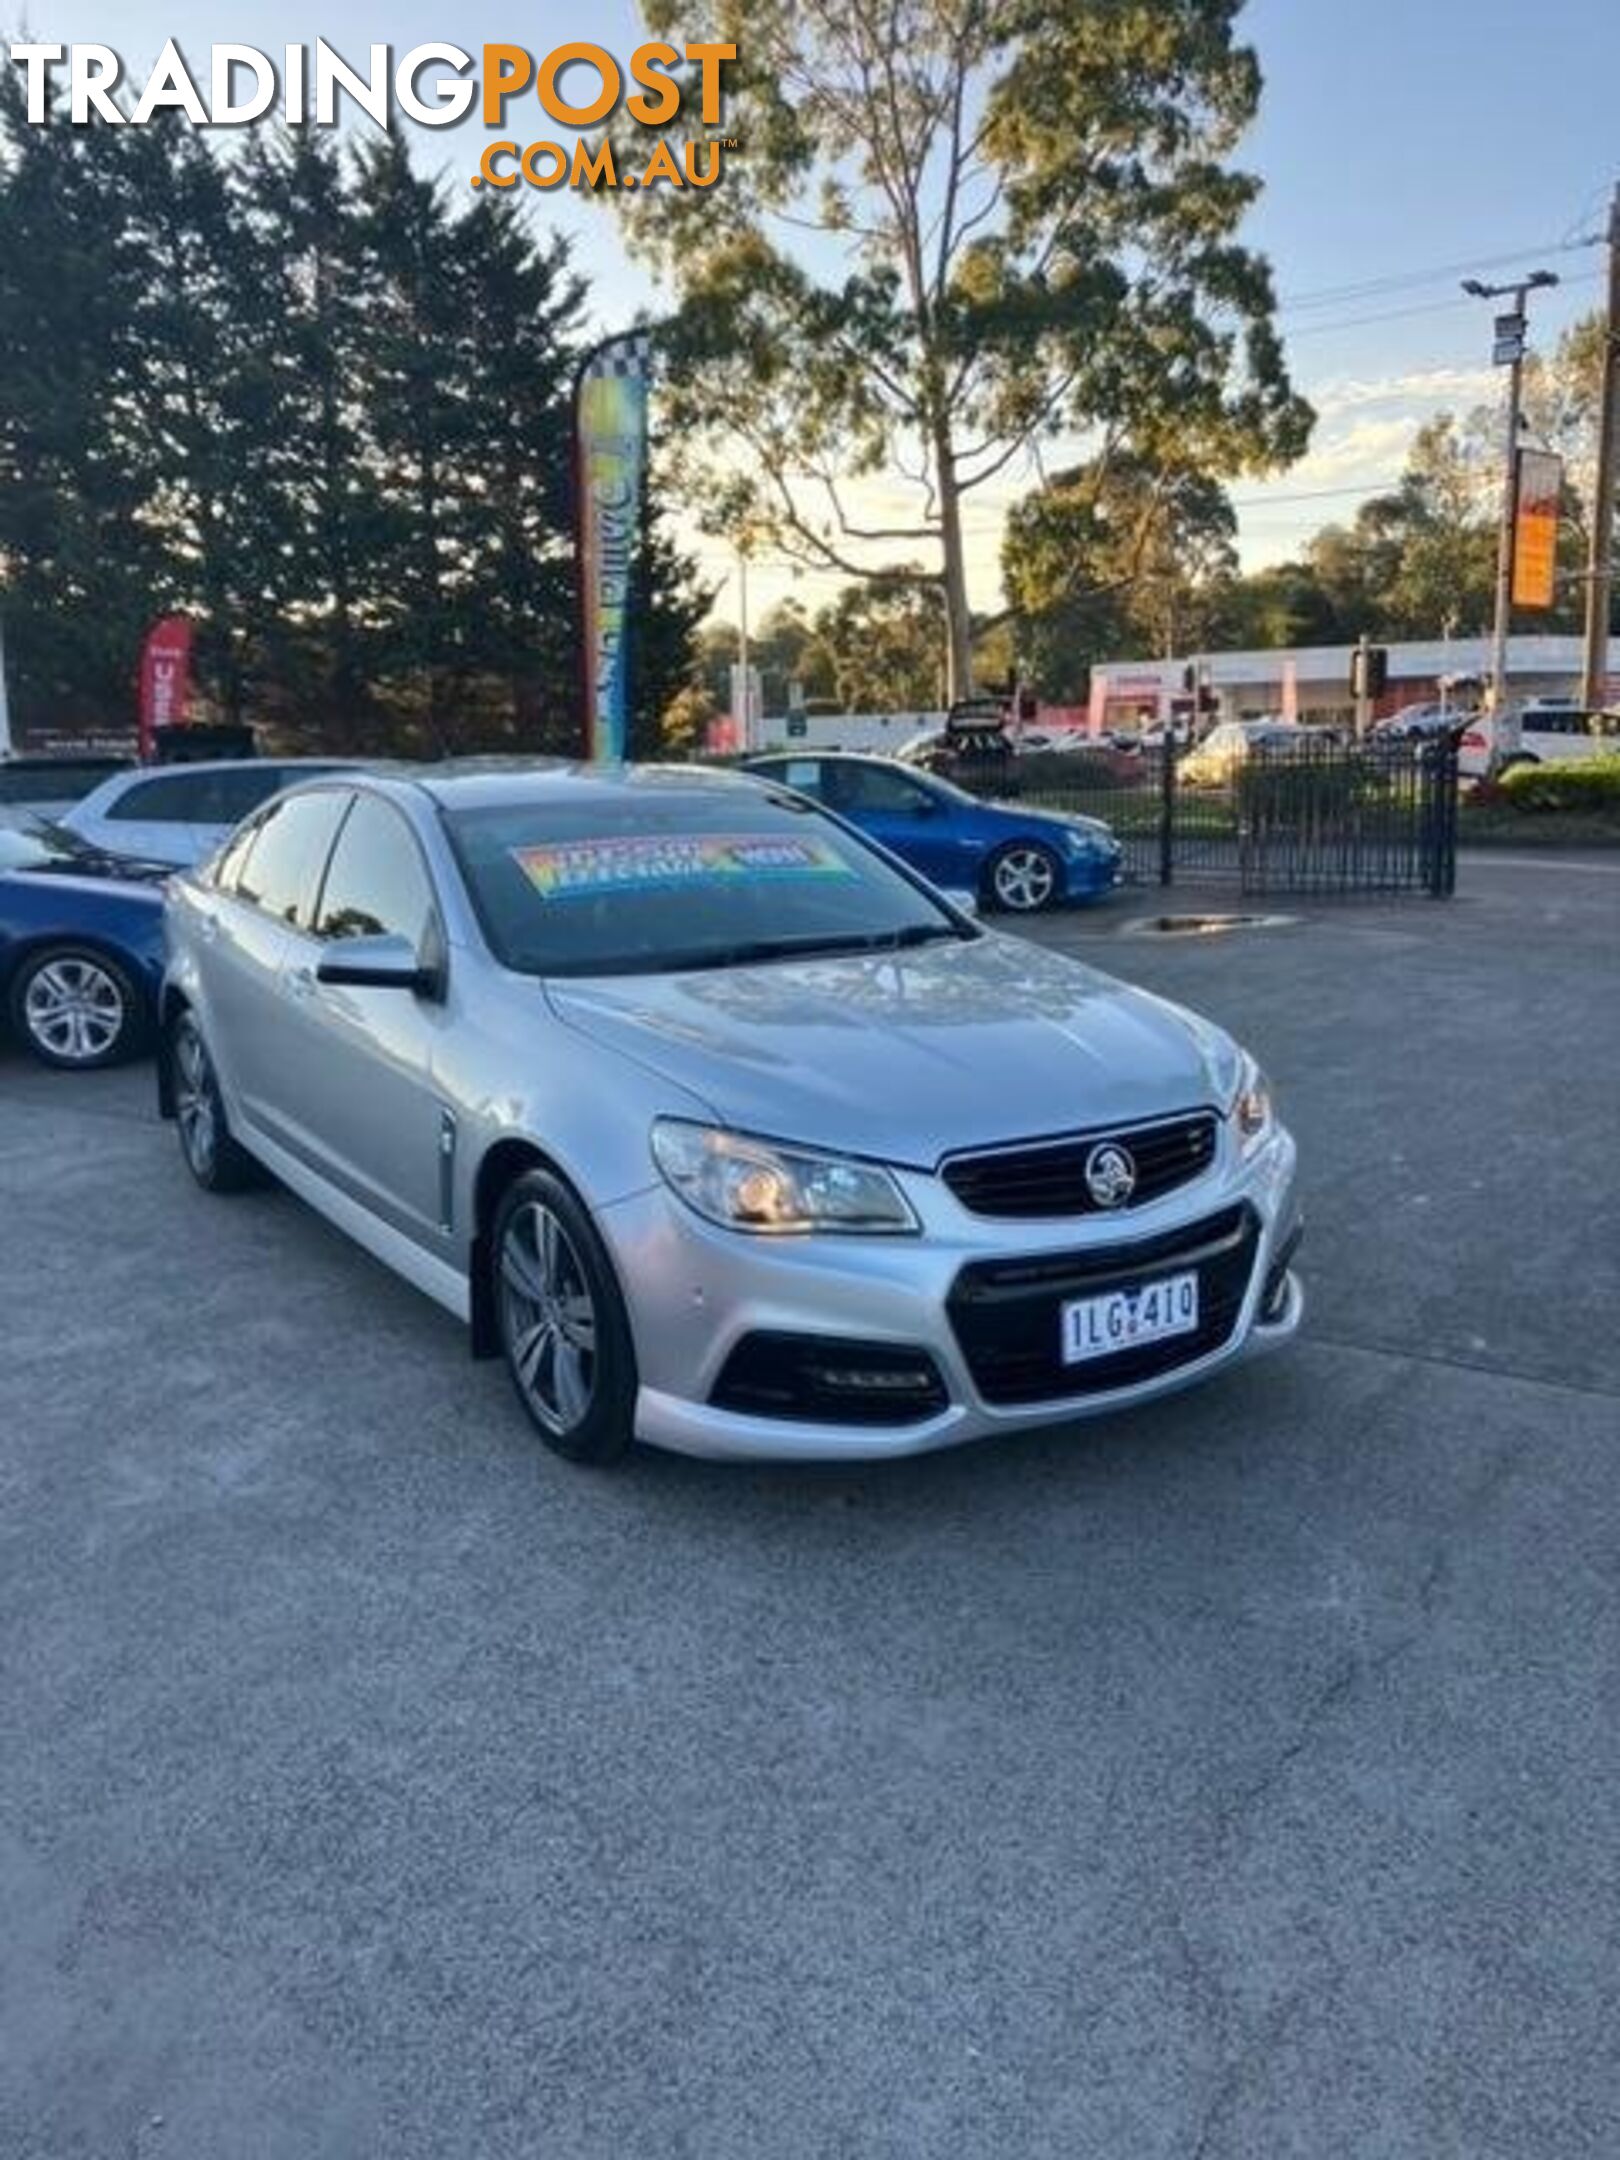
(723, 1127)
(45, 785)
(178, 814)
(1220, 756)
(81, 948)
(1419, 723)
(1007, 857)
(1552, 731)
(985, 751)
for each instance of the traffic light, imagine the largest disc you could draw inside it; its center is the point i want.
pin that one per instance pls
(1369, 671)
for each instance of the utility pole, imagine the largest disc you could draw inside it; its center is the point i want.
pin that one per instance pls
(1363, 695)
(747, 714)
(1507, 350)
(1600, 558)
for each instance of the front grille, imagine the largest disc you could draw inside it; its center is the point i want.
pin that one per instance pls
(829, 1380)
(1048, 1177)
(1007, 1314)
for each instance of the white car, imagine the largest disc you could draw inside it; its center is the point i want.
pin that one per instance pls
(181, 813)
(1552, 731)
(32, 788)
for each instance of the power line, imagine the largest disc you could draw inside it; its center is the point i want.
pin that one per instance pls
(1406, 280)
(1424, 307)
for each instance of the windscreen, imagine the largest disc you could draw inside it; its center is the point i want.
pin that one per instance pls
(649, 883)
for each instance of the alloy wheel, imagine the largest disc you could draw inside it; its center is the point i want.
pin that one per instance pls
(548, 1318)
(74, 1010)
(1024, 879)
(194, 1099)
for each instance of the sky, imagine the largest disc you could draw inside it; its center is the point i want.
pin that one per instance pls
(1404, 144)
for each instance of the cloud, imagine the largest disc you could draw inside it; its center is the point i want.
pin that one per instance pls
(1453, 386)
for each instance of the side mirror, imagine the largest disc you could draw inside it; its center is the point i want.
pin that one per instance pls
(385, 962)
(964, 902)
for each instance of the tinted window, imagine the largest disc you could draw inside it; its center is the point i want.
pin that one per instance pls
(283, 865)
(228, 866)
(803, 774)
(652, 878)
(873, 787)
(377, 883)
(189, 797)
(51, 783)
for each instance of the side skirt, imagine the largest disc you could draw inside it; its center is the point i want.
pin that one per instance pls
(446, 1285)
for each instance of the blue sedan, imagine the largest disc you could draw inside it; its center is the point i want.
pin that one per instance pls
(1019, 860)
(81, 947)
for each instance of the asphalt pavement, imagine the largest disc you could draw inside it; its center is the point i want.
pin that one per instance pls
(1238, 1780)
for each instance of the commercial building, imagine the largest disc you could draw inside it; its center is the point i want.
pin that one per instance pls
(1312, 682)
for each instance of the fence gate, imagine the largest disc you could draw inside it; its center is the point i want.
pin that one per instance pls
(1300, 816)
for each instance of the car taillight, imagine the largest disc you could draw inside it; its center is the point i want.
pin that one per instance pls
(1473, 739)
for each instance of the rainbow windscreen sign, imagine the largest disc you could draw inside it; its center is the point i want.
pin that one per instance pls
(610, 420)
(586, 869)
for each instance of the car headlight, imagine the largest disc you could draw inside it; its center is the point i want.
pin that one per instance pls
(746, 1184)
(1251, 1109)
(1084, 837)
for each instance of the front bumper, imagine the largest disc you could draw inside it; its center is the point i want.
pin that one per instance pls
(695, 1292)
(1094, 875)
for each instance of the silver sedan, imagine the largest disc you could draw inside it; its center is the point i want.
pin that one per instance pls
(725, 1129)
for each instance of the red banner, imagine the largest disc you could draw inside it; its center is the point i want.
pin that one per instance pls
(165, 679)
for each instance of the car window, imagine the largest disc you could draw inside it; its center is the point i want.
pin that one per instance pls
(62, 782)
(377, 883)
(650, 880)
(872, 787)
(228, 864)
(804, 774)
(189, 795)
(281, 872)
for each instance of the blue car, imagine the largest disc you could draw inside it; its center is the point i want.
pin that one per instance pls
(1018, 860)
(81, 947)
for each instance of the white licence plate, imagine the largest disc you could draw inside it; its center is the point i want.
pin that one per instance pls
(1096, 1327)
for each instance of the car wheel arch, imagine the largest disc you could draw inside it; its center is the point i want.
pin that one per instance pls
(172, 1003)
(502, 1162)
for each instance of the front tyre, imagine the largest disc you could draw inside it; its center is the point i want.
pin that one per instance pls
(212, 1156)
(1023, 878)
(562, 1322)
(76, 1008)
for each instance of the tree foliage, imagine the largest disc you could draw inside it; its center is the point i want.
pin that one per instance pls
(1420, 561)
(1114, 557)
(321, 404)
(1023, 218)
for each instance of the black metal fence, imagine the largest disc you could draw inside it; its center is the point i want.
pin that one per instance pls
(1315, 816)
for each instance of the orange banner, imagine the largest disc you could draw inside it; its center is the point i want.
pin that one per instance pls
(1535, 529)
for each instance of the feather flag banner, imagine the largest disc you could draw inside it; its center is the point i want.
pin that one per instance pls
(610, 426)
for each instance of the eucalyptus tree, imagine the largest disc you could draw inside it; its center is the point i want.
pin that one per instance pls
(953, 234)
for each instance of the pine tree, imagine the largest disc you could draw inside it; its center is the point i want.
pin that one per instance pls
(83, 572)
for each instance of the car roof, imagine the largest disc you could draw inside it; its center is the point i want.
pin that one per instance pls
(250, 764)
(826, 757)
(488, 783)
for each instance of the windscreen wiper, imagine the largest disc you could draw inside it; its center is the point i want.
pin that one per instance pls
(826, 946)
